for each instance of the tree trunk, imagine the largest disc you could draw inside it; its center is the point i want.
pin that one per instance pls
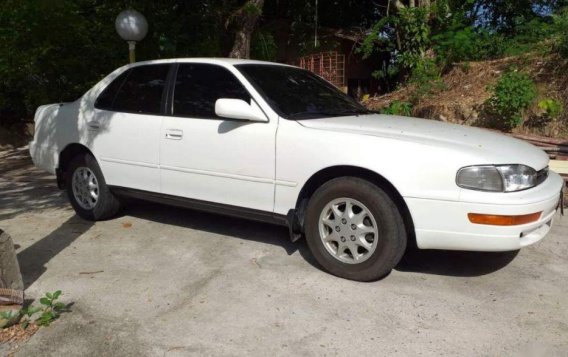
(399, 5)
(246, 18)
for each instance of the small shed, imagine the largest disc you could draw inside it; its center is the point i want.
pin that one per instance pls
(345, 68)
(328, 65)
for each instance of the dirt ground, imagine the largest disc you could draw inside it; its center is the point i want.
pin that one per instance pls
(161, 281)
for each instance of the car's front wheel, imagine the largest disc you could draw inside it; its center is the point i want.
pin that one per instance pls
(87, 190)
(354, 229)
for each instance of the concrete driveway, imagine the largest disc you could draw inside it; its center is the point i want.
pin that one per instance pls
(162, 281)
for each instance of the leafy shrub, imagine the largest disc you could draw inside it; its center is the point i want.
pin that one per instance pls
(457, 44)
(398, 108)
(8, 318)
(561, 26)
(251, 9)
(414, 31)
(551, 107)
(426, 79)
(457, 40)
(263, 46)
(460, 43)
(513, 93)
(49, 310)
(404, 37)
(529, 37)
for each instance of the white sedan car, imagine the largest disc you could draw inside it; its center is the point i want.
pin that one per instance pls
(276, 143)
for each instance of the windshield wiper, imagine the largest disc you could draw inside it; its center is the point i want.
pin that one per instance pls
(354, 111)
(309, 114)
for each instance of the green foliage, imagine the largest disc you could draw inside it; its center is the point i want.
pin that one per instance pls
(404, 38)
(53, 51)
(551, 107)
(378, 38)
(514, 92)
(263, 46)
(41, 60)
(251, 9)
(459, 41)
(49, 310)
(426, 77)
(464, 43)
(9, 318)
(457, 44)
(561, 29)
(505, 16)
(8, 315)
(408, 33)
(414, 43)
(528, 37)
(466, 66)
(27, 314)
(414, 34)
(398, 108)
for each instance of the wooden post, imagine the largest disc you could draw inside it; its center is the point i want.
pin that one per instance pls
(11, 283)
(132, 51)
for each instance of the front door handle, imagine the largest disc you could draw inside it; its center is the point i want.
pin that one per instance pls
(174, 134)
(95, 125)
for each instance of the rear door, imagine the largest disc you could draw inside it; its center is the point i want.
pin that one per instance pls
(208, 158)
(125, 128)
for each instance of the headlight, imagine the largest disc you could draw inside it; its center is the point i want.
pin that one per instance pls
(497, 178)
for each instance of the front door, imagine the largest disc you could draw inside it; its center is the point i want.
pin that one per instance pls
(208, 158)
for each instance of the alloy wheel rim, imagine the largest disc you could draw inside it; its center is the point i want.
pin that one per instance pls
(348, 230)
(85, 188)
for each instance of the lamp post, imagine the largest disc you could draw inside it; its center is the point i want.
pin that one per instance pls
(132, 27)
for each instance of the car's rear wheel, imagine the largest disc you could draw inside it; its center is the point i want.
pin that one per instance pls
(87, 189)
(354, 229)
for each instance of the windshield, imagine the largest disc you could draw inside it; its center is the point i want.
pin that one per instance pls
(295, 93)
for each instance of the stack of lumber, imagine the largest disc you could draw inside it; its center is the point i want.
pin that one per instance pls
(557, 149)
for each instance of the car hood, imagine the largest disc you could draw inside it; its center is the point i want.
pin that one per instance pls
(486, 146)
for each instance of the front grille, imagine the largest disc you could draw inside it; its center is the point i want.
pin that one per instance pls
(541, 176)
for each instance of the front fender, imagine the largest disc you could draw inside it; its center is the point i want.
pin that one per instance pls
(414, 169)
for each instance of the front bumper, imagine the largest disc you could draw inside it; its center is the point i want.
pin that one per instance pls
(445, 225)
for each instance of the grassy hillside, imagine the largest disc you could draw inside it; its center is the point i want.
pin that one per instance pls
(463, 94)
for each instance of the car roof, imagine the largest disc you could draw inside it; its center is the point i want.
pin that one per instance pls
(210, 60)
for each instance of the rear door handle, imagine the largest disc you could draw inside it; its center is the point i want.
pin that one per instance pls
(174, 134)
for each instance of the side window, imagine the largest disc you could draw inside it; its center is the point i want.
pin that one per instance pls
(198, 86)
(141, 91)
(106, 98)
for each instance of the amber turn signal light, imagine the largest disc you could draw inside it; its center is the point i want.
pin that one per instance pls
(497, 220)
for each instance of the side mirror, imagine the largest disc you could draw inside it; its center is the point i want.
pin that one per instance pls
(239, 109)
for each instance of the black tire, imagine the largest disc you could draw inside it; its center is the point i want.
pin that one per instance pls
(106, 206)
(392, 237)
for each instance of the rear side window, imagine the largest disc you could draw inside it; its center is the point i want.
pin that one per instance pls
(139, 90)
(198, 86)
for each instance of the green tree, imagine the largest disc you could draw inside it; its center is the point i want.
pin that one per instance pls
(53, 51)
(245, 19)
